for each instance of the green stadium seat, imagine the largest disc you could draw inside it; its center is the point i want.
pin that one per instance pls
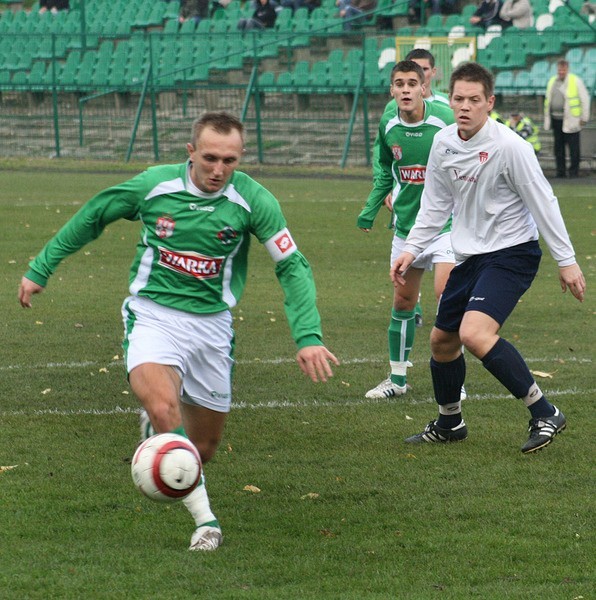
(266, 80)
(285, 82)
(504, 83)
(20, 79)
(523, 83)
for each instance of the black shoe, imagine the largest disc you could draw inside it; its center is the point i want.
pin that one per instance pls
(543, 430)
(434, 433)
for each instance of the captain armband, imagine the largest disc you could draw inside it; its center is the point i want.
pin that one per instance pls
(281, 245)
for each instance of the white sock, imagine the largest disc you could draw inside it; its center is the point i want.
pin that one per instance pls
(198, 504)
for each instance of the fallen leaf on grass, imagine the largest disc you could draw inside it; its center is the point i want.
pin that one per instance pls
(7, 468)
(543, 374)
(46, 391)
(327, 533)
(309, 496)
(251, 488)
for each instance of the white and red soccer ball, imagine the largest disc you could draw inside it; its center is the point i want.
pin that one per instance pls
(166, 467)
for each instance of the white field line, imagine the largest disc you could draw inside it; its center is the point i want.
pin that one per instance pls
(256, 361)
(284, 404)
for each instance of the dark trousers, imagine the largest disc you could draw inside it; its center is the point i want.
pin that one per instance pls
(561, 140)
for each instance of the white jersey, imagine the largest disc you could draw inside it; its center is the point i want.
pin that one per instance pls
(495, 188)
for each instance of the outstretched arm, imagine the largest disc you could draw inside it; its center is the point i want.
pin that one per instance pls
(314, 362)
(572, 277)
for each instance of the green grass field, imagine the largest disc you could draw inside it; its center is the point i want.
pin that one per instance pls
(346, 509)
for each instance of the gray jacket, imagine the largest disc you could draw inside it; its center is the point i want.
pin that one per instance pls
(517, 12)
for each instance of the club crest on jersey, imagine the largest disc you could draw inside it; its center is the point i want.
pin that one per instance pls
(164, 227)
(227, 235)
(190, 263)
(397, 152)
(483, 157)
(412, 174)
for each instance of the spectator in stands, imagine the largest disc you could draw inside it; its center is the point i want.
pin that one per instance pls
(525, 128)
(53, 6)
(566, 111)
(517, 13)
(349, 9)
(193, 10)
(487, 14)
(437, 7)
(263, 17)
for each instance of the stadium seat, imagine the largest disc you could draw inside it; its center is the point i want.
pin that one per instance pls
(504, 82)
(523, 83)
(284, 82)
(266, 80)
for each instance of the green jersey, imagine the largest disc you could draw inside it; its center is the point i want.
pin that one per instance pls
(193, 247)
(399, 164)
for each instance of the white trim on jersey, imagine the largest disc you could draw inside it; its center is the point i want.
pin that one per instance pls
(143, 272)
(166, 187)
(226, 290)
(281, 245)
(233, 196)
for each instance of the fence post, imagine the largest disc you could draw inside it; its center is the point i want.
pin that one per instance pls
(55, 99)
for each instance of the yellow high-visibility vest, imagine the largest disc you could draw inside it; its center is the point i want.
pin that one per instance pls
(571, 93)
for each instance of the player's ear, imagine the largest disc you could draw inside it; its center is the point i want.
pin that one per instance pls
(190, 148)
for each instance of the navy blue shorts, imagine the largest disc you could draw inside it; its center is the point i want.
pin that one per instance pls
(490, 283)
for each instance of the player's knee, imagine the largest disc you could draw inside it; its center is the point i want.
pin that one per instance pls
(445, 346)
(472, 339)
(207, 447)
(164, 416)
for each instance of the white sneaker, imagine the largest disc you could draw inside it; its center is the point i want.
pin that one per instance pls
(463, 394)
(145, 425)
(206, 538)
(386, 389)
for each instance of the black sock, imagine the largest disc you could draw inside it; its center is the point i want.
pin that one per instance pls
(508, 366)
(448, 378)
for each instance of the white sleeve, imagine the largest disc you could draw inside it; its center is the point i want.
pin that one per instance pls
(537, 194)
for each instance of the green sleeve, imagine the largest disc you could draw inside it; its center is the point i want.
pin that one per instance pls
(382, 180)
(295, 277)
(118, 202)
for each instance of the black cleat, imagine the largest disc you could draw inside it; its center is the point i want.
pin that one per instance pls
(543, 430)
(433, 433)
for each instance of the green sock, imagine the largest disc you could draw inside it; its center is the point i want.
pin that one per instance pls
(401, 338)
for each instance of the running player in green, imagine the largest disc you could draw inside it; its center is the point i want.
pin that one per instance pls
(190, 268)
(401, 153)
(426, 60)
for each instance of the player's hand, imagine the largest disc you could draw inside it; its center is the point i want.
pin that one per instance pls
(26, 290)
(314, 362)
(388, 202)
(572, 277)
(399, 267)
(365, 229)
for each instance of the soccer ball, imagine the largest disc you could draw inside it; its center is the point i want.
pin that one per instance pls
(166, 467)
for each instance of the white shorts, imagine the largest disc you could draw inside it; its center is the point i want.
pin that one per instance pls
(199, 347)
(439, 251)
